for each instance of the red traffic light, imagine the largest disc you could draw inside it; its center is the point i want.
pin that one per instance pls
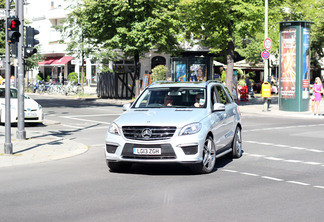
(13, 33)
(13, 24)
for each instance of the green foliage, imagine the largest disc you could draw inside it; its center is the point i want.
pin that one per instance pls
(2, 31)
(73, 77)
(159, 73)
(39, 77)
(133, 26)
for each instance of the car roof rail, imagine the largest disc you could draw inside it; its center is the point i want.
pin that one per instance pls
(159, 82)
(212, 81)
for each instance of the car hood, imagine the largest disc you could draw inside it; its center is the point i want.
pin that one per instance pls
(161, 117)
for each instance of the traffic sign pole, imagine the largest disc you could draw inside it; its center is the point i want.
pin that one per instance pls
(266, 61)
(8, 143)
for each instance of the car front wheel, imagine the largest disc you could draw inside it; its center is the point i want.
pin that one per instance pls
(209, 158)
(237, 143)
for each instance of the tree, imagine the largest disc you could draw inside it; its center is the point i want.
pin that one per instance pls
(133, 26)
(159, 73)
(2, 31)
(309, 10)
(219, 24)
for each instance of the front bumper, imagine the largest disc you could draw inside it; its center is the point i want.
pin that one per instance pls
(178, 149)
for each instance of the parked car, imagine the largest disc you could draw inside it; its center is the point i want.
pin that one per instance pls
(32, 110)
(191, 123)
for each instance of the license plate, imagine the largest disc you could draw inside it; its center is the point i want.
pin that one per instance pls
(30, 114)
(147, 151)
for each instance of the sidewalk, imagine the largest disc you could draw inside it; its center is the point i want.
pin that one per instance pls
(41, 147)
(255, 106)
(38, 147)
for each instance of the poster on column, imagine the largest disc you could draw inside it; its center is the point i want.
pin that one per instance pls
(288, 63)
(181, 73)
(306, 64)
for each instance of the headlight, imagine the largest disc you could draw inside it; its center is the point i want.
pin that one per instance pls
(114, 129)
(190, 129)
(39, 107)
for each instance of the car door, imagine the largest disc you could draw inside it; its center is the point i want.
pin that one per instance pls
(217, 121)
(229, 115)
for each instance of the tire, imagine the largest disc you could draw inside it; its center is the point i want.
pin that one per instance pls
(209, 158)
(118, 167)
(237, 143)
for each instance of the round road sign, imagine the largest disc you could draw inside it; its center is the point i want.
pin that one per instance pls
(267, 43)
(265, 54)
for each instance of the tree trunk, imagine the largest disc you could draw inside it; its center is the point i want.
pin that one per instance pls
(137, 73)
(230, 59)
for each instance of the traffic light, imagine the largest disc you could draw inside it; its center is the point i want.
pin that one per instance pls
(30, 41)
(13, 24)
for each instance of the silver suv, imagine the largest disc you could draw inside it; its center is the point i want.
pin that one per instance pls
(191, 123)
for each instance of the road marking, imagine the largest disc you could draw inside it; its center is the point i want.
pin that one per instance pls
(106, 114)
(85, 127)
(284, 127)
(298, 183)
(284, 146)
(250, 174)
(87, 120)
(231, 171)
(274, 158)
(283, 160)
(293, 161)
(313, 163)
(274, 178)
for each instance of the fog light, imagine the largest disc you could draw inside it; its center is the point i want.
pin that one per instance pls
(111, 148)
(190, 150)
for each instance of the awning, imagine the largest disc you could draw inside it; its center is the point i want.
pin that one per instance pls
(55, 61)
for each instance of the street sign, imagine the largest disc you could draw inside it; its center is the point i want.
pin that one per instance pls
(267, 43)
(265, 54)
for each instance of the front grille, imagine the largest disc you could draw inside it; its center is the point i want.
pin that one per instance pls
(148, 133)
(31, 118)
(166, 151)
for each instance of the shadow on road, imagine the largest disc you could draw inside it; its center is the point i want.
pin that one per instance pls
(170, 169)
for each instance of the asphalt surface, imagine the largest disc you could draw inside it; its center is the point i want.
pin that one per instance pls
(41, 147)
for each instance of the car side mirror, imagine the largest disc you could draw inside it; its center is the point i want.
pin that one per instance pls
(218, 107)
(126, 106)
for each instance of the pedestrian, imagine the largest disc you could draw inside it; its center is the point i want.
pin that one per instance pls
(317, 95)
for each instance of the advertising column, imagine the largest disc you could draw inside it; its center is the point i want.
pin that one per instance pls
(294, 66)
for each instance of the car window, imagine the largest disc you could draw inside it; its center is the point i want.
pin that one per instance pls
(13, 93)
(222, 96)
(2, 93)
(172, 97)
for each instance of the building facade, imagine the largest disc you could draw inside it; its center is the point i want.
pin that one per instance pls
(46, 16)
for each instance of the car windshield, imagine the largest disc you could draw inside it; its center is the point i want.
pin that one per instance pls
(172, 97)
(13, 93)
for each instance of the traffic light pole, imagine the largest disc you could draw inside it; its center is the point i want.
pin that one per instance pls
(7, 144)
(21, 133)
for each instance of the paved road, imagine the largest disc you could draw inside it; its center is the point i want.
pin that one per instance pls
(279, 178)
